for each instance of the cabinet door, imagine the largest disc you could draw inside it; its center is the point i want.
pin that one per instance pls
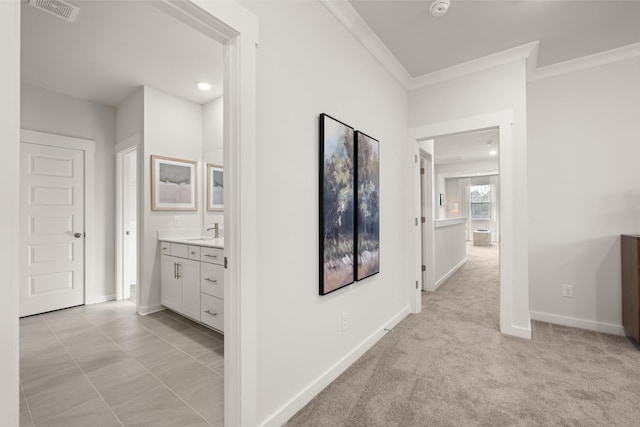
(189, 274)
(170, 288)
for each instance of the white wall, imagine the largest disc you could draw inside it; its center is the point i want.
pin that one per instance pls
(450, 249)
(172, 128)
(212, 125)
(130, 115)
(9, 138)
(476, 95)
(584, 187)
(45, 111)
(310, 64)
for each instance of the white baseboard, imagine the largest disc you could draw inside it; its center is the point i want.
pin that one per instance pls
(450, 273)
(606, 328)
(289, 409)
(148, 309)
(103, 298)
(517, 331)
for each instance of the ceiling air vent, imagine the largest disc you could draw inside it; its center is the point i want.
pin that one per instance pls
(59, 8)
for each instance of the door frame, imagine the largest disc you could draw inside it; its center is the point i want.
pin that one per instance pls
(236, 28)
(514, 286)
(88, 147)
(124, 147)
(427, 232)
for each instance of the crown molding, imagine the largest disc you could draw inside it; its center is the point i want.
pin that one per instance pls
(528, 52)
(351, 19)
(590, 61)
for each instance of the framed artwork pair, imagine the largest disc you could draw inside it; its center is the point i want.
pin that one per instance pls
(174, 185)
(349, 205)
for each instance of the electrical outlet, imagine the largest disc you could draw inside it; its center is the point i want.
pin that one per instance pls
(176, 221)
(345, 321)
(567, 291)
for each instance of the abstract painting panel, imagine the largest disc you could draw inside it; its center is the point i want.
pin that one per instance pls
(337, 205)
(367, 206)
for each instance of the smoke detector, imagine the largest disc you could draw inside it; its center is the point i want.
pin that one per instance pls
(58, 8)
(439, 7)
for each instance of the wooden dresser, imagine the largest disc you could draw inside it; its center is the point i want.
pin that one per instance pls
(630, 245)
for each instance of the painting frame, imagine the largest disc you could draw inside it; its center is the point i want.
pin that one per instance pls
(215, 198)
(336, 205)
(168, 189)
(367, 185)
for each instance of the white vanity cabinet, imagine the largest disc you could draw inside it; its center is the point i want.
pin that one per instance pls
(180, 278)
(192, 282)
(212, 287)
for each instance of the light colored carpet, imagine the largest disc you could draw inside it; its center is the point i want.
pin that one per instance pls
(450, 366)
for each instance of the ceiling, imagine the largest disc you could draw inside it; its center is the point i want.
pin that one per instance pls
(113, 48)
(466, 147)
(472, 29)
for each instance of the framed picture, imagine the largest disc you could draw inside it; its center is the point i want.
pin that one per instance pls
(174, 186)
(367, 206)
(215, 187)
(337, 206)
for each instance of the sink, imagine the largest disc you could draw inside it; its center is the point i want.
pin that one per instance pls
(198, 239)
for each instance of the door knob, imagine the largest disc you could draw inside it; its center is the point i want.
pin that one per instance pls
(77, 235)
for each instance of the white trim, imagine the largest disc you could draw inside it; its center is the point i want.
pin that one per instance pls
(607, 328)
(89, 148)
(104, 298)
(297, 402)
(508, 165)
(148, 309)
(595, 60)
(9, 215)
(351, 19)
(237, 28)
(518, 53)
(123, 147)
(450, 273)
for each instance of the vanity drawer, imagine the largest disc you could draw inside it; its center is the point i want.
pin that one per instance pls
(194, 252)
(180, 250)
(165, 248)
(212, 311)
(214, 255)
(212, 279)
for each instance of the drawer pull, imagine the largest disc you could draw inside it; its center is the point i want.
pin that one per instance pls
(213, 314)
(211, 280)
(211, 256)
(193, 252)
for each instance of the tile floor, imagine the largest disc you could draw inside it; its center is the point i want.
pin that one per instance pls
(104, 365)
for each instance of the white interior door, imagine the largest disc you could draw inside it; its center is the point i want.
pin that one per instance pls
(51, 228)
(130, 215)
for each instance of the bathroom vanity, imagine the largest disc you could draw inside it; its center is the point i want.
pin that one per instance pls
(192, 278)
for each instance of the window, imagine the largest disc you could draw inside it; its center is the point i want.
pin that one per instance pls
(480, 201)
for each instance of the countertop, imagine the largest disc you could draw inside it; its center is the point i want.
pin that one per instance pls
(197, 241)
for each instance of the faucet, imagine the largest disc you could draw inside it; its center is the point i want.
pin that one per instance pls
(216, 231)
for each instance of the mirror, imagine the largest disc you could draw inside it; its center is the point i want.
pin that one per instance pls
(212, 149)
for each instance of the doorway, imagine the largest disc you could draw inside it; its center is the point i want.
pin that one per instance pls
(514, 292)
(235, 27)
(127, 222)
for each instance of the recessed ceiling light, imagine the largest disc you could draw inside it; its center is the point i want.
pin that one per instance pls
(493, 152)
(204, 86)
